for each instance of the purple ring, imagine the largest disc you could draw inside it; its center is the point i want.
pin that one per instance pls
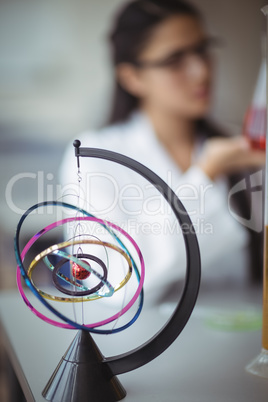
(60, 223)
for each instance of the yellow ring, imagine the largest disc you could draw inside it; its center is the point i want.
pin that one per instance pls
(59, 246)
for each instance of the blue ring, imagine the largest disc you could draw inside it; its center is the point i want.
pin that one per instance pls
(42, 300)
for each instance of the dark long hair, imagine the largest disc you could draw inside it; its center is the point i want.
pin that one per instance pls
(132, 28)
(133, 25)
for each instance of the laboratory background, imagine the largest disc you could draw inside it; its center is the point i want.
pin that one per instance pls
(56, 82)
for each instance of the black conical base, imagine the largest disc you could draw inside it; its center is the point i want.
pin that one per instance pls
(82, 376)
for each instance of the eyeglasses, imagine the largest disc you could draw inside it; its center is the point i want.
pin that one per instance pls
(178, 59)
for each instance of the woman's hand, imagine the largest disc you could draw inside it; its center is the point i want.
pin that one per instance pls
(229, 155)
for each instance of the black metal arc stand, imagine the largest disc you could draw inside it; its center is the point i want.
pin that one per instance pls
(83, 373)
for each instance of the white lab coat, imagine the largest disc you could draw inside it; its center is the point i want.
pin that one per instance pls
(117, 194)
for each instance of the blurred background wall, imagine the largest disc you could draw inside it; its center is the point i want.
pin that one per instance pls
(56, 80)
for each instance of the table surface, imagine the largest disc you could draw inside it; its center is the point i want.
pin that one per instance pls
(204, 364)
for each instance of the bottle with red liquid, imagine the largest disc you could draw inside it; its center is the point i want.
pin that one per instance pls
(255, 121)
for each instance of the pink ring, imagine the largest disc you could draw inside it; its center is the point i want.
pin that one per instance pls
(60, 223)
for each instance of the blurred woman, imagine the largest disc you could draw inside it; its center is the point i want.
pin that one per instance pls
(164, 72)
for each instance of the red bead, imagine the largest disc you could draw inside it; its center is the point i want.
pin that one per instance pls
(79, 272)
